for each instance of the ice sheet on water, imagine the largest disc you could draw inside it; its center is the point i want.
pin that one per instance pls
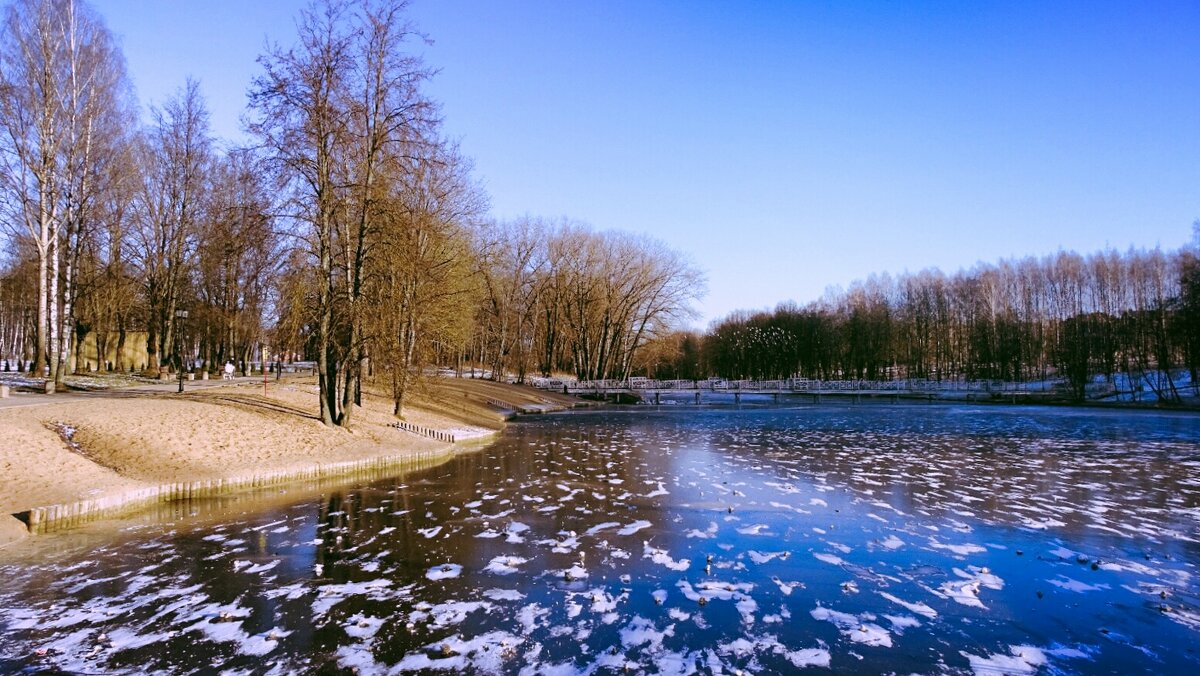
(918, 607)
(641, 631)
(224, 631)
(602, 527)
(1188, 617)
(765, 557)
(503, 595)
(1064, 553)
(634, 527)
(444, 571)
(504, 565)
(790, 508)
(127, 638)
(751, 646)
(1042, 523)
(787, 587)
(831, 559)
(663, 558)
(705, 534)
(756, 529)
(961, 550)
(857, 628)
(1071, 584)
(378, 589)
(712, 590)
(567, 543)
(262, 567)
(532, 617)
(575, 572)
(891, 542)
(514, 531)
(358, 658)
(661, 490)
(746, 607)
(361, 626)
(967, 589)
(485, 653)
(1021, 660)
(447, 613)
(902, 622)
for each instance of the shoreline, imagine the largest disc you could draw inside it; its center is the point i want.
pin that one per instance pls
(1191, 405)
(52, 518)
(110, 455)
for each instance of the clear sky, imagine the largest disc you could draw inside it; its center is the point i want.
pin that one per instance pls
(784, 146)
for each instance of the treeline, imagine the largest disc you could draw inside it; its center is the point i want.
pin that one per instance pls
(349, 233)
(561, 298)
(1063, 316)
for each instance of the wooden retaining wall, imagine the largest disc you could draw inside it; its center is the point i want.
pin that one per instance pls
(59, 517)
(424, 431)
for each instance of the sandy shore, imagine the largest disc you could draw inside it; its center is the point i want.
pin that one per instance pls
(96, 447)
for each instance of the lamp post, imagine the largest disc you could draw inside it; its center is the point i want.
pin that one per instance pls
(180, 315)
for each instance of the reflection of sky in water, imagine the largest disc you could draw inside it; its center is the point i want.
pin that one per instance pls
(872, 538)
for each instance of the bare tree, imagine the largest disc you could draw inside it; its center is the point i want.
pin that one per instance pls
(62, 101)
(332, 111)
(424, 288)
(391, 126)
(512, 262)
(176, 157)
(236, 259)
(31, 111)
(589, 301)
(301, 121)
(110, 302)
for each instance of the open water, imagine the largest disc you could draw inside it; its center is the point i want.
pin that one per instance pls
(857, 539)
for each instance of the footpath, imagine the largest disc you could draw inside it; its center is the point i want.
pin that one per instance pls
(17, 398)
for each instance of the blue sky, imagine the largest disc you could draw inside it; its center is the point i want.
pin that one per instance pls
(784, 146)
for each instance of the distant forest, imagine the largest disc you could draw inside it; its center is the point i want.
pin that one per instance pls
(1065, 316)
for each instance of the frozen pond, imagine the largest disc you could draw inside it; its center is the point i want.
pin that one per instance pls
(874, 538)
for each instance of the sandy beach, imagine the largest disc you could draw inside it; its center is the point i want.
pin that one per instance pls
(99, 446)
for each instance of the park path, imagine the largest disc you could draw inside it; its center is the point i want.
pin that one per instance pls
(18, 399)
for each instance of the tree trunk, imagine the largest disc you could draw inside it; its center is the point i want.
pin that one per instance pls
(55, 342)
